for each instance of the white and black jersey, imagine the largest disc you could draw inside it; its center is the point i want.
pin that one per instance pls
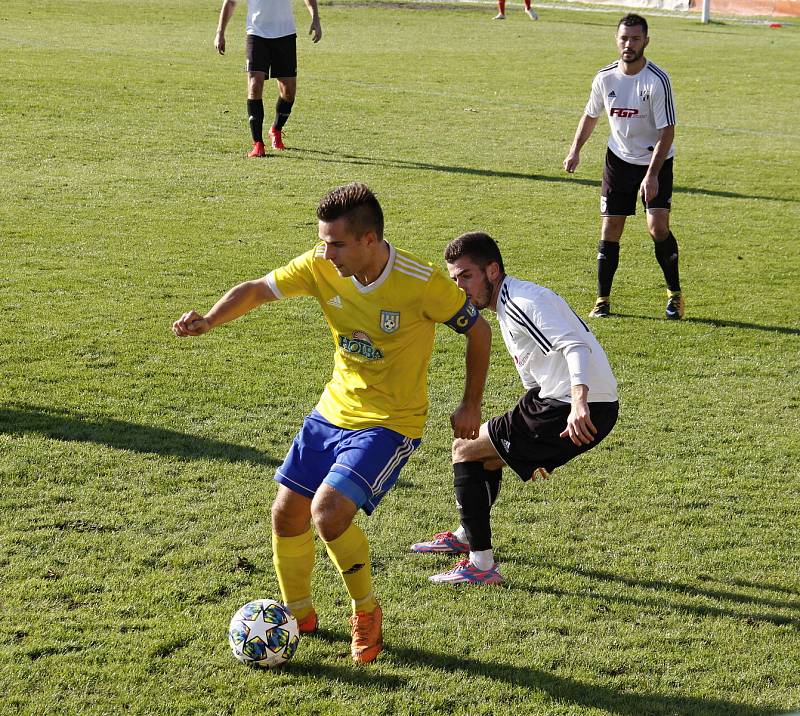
(551, 346)
(637, 107)
(270, 18)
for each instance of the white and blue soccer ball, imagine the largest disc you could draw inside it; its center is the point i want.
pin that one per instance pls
(263, 633)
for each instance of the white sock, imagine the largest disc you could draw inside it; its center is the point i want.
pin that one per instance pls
(460, 534)
(483, 560)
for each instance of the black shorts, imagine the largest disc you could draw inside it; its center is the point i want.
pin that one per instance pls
(275, 57)
(527, 437)
(621, 182)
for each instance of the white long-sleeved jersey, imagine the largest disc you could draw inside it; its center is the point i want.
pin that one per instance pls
(540, 331)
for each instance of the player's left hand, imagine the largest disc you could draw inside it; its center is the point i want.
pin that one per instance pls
(649, 188)
(315, 30)
(580, 428)
(466, 422)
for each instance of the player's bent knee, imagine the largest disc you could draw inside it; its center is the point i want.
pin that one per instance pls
(287, 523)
(455, 450)
(330, 526)
(331, 513)
(291, 513)
(480, 449)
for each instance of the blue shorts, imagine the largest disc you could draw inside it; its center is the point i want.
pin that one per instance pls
(361, 464)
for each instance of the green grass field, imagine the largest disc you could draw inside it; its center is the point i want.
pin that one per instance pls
(658, 574)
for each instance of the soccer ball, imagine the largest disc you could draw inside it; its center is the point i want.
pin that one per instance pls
(263, 633)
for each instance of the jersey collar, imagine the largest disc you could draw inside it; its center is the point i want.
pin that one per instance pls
(378, 282)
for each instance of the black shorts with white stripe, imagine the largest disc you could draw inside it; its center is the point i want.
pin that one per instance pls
(527, 437)
(275, 57)
(621, 182)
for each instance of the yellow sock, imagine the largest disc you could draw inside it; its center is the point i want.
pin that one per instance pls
(350, 553)
(293, 558)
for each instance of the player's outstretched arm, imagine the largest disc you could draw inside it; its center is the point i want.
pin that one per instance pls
(582, 133)
(316, 26)
(466, 419)
(235, 303)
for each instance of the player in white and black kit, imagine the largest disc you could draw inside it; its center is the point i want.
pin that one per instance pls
(569, 406)
(636, 96)
(271, 51)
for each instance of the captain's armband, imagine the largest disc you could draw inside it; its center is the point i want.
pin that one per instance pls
(463, 320)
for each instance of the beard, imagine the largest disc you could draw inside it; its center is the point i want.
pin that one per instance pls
(482, 301)
(636, 55)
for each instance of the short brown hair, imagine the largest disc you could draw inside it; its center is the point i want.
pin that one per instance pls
(475, 245)
(357, 203)
(632, 20)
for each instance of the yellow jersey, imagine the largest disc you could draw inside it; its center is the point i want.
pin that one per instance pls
(382, 334)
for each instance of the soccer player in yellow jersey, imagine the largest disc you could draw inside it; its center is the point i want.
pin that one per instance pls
(382, 305)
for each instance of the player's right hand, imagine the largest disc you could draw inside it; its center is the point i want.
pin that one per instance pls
(219, 43)
(571, 162)
(315, 30)
(190, 324)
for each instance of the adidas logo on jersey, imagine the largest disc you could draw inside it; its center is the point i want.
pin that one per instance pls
(336, 301)
(506, 445)
(612, 94)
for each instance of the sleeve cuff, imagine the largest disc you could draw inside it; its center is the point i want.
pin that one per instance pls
(578, 363)
(273, 286)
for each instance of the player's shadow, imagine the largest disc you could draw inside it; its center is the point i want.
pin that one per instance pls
(660, 595)
(746, 584)
(63, 425)
(718, 323)
(348, 673)
(337, 158)
(692, 589)
(571, 691)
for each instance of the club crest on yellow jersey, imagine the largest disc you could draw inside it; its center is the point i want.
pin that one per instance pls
(390, 321)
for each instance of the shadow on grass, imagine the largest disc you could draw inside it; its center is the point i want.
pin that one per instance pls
(750, 602)
(689, 589)
(753, 585)
(718, 322)
(349, 674)
(337, 158)
(572, 691)
(72, 427)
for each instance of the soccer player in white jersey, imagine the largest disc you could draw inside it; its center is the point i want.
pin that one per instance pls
(636, 96)
(382, 305)
(271, 51)
(569, 406)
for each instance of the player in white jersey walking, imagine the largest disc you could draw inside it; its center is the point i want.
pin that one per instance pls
(569, 406)
(636, 95)
(271, 51)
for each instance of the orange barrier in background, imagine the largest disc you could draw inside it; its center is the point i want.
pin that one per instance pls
(750, 7)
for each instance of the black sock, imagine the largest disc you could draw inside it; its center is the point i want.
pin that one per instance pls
(667, 256)
(476, 491)
(255, 114)
(283, 108)
(607, 262)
